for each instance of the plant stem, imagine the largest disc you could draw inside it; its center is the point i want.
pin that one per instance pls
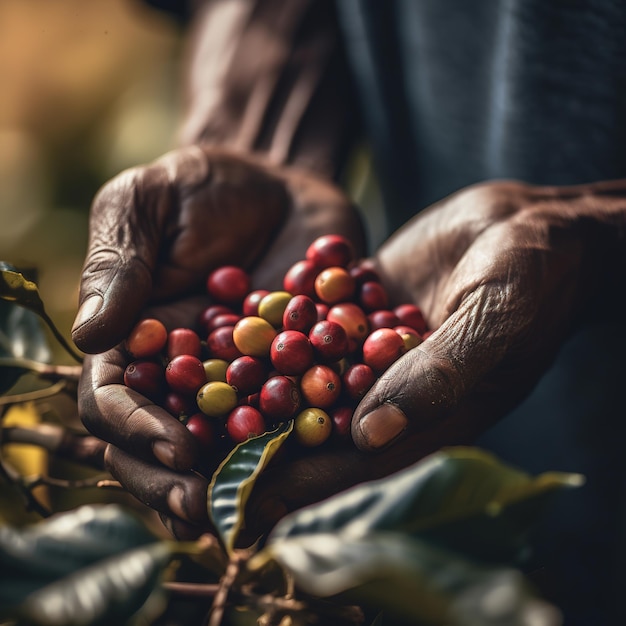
(60, 338)
(224, 589)
(60, 441)
(192, 590)
(44, 370)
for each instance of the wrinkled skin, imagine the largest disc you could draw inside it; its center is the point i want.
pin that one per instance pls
(155, 233)
(503, 272)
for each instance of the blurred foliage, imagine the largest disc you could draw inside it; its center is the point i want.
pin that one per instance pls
(89, 88)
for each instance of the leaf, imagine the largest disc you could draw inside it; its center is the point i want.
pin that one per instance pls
(234, 479)
(107, 592)
(21, 336)
(43, 552)
(15, 288)
(402, 576)
(462, 498)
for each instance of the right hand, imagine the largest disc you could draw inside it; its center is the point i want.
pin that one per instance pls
(155, 234)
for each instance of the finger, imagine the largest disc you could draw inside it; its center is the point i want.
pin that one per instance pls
(121, 416)
(441, 376)
(117, 274)
(156, 231)
(181, 496)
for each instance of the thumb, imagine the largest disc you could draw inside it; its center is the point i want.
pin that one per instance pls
(448, 388)
(417, 389)
(116, 280)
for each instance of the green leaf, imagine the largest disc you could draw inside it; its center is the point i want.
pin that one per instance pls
(17, 289)
(36, 555)
(234, 479)
(402, 576)
(21, 336)
(462, 498)
(107, 592)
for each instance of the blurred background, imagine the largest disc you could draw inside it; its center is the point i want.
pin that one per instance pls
(88, 89)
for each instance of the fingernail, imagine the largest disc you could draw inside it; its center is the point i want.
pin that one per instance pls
(164, 452)
(175, 502)
(88, 309)
(382, 425)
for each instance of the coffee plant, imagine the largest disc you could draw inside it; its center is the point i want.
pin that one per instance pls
(442, 542)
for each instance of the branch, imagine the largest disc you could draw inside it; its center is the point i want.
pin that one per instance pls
(43, 370)
(225, 587)
(82, 483)
(63, 443)
(274, 608)
(33, 396)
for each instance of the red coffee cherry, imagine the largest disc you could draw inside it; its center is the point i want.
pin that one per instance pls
(243, 422)
(329, 250)
(207, 315)
(246, 374)
(353, 320)
(372, 296)
(411, 315)
(185, 374)
(291, 353)
(228, 284)
(183, 341)
(250, 304)
(383, 318)
(221, 343)
(146, 377)
(300, 278)
(357, 380)
(147, 338)
(204, 430)
(320, 386)
(381, 348)
(329, 341)
(279, 398)
(300, 314)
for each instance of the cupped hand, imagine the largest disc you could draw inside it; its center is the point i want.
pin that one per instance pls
(155, 233)
(504, 273)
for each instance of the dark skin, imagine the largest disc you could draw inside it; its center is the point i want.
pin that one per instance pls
(504, 281)
(503, 271)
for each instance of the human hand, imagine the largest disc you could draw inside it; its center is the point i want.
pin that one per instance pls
(504, 273)
(155, 233)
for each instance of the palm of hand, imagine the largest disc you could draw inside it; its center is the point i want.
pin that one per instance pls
(156, 232)
(495, 269)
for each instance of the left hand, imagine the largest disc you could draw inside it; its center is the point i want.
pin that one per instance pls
(156, 232)
(504, 273)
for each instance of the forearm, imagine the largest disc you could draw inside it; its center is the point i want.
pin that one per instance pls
(269, 77)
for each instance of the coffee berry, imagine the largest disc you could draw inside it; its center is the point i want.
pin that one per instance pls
(308, 352)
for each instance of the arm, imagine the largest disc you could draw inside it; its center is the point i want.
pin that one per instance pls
(266, 129)
(270, 78)
(269, 114)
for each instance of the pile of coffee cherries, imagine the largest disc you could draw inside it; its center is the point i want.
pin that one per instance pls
(257, 358)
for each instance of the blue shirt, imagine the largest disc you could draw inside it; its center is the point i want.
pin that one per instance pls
(460, 91)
